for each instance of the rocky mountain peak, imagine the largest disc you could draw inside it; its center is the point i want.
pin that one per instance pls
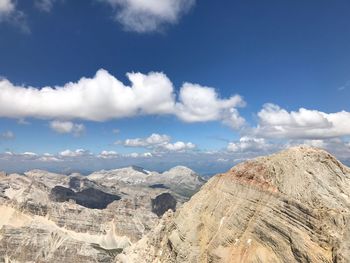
(292, 206)
(305, 173)
(181, 168)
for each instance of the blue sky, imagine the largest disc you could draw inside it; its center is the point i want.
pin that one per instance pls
(291, 54)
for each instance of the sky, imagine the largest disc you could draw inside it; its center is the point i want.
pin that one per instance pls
(101, 84)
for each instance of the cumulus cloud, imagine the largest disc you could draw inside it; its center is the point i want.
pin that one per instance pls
(179, 146)
(67, 127)
(249, 144)
(139, 155)
(7, 135)
(151, 15)
(76, 153)
(275, 122)
(340, 147)
(108, 154)
(153, 140)
(104, 97)
(48, 157)
(159, 142)
(100, 98)
(199, 104)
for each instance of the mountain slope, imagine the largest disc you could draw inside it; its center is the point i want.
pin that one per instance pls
(48, 217)
(293, 206)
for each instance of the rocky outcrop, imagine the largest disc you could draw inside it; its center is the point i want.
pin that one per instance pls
(48, 217)
(293, 206)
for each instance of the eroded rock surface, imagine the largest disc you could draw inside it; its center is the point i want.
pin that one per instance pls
(49, 217)
(293, 206)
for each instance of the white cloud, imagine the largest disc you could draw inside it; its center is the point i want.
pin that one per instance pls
(7, 135)
(337, 146)
(100, 98)
(104, 97)
(44, 5)
(159, 142)
(147, 154)
(67, 127)
(108, 154)
(116, 131)
(179, 146)
(9, 13)
(28, 155)
(139, 155)
(47, 157)
(275, 122)
(149, 15)
(345, 86)
(315, 143)
(23, 122)
(200, 104)
(6, 8)
(153, 140)
(249, 144)
(76, 153)
(204, 162)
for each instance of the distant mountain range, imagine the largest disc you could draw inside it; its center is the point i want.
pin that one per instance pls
(292, 206)
(50, 217)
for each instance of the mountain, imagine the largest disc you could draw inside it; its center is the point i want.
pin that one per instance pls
(50, 217)
(293, 206)
(181, 180)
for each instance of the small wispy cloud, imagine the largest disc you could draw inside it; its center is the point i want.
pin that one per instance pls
(44, 5)
(148, 16)
(23, 122)
(345, 86)
(116, 131)
(10, 14)
(7, 135)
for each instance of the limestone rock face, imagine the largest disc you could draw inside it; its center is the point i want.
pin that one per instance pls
(293, 206)
(48, 217)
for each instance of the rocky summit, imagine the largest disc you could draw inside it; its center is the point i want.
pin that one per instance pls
(49, 217)
(293, 206)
